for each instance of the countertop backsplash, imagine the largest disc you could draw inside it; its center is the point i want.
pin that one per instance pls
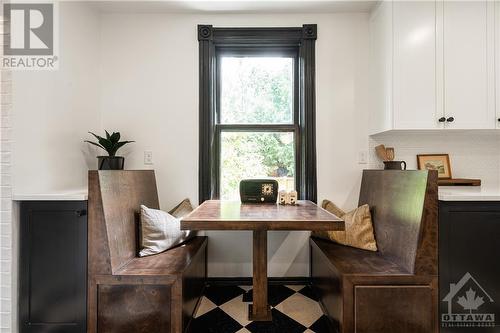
(473, 154)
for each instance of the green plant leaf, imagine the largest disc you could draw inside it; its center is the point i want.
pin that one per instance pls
(121, 144)
(95, 144)
(96, 136)
(115, 137)
(108, 145)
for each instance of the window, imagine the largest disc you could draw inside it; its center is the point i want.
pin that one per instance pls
(256, 109)
(256, 89)
(256, 126)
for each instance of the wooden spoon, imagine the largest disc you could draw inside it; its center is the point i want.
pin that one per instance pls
(381, 152)
(389, 151)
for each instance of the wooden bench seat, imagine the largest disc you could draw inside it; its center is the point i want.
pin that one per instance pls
(157, 293)
(170, 262)
(351, 261)
(395, 289)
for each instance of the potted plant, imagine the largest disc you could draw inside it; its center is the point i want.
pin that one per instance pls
(111, 144)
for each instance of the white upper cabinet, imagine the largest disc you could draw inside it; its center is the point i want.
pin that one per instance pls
(438, 71)
(381, 67)
(468, 53)
(414, 65)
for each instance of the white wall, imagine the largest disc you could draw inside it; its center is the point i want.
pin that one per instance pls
(50, 114)
(53, 110)
(150, 93)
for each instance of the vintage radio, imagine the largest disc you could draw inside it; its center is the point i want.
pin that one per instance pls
(258, 191)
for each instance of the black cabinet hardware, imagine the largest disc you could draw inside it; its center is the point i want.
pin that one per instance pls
(82, 212)
(450, 119)
(442, 119)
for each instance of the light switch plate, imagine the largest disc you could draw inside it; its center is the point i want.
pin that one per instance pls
(363, 157)
(148, 157)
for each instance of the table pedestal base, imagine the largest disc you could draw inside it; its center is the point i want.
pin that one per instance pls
(259, 310)
(260, 317)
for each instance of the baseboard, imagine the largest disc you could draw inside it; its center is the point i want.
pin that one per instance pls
(247, 281)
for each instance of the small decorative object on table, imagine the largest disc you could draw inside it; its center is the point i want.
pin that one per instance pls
(258, 191)
(282, 197)
(110, 144)
(288, 198)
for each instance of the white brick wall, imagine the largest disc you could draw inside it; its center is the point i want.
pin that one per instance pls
(472, 154)
(6, 296)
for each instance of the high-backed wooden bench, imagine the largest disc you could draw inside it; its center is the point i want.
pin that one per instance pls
(394, 290)
(126, 293)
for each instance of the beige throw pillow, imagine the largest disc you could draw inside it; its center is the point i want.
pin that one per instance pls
(358, 227)
(161, 231)
(182, 209)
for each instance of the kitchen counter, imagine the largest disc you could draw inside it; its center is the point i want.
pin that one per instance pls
(446, 193)
(76, 195)
(468, 193)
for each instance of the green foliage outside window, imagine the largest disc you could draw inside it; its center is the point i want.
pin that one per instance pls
(256, 91)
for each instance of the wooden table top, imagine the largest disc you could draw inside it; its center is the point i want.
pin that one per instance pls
(233, 215)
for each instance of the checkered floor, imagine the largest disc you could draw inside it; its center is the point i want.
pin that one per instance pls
(224, 309)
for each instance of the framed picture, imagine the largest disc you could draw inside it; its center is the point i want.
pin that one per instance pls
(439, 162)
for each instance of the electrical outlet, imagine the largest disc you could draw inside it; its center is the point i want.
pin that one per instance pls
(363, 157)
(148, 157)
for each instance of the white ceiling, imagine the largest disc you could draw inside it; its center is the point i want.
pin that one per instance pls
(243, 6)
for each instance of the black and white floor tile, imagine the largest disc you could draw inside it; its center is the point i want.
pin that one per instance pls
(224, 309)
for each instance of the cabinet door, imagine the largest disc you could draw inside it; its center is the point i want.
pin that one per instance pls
(53, 267)
(415, 66)
(468, 244)
(468, 70)
(381, 68)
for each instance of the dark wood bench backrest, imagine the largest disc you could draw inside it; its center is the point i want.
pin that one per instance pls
(115, 198)
(404, 212)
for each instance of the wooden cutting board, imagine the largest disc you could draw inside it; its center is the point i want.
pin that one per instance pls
(459, 182)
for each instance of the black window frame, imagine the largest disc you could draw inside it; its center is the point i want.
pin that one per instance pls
(299, 43)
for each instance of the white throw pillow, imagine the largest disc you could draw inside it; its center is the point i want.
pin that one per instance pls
(160, 231)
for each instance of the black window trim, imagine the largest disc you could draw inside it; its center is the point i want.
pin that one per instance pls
(297, 42)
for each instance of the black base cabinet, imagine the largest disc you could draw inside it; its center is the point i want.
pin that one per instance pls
(469, 266)
(53, 267)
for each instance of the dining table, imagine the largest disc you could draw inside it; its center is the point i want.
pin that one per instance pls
(260, 218)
